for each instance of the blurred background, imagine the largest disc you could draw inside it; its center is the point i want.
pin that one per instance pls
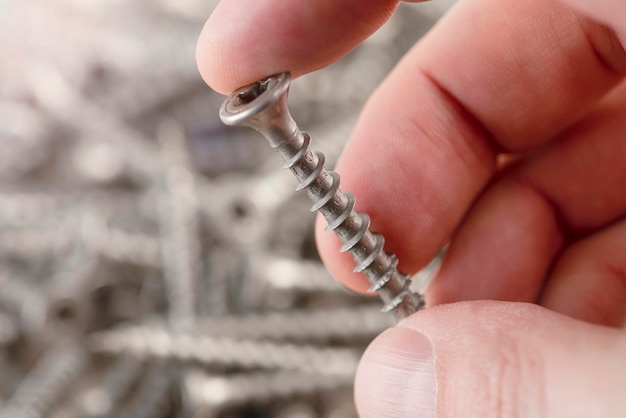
(153, 262)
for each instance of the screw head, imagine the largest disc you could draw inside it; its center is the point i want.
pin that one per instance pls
(247, 102)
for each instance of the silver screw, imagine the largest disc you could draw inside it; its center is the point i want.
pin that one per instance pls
(358, 323)
(181, 250)
(292, 274)
(46, 383)
(263, 106)
(157, 342)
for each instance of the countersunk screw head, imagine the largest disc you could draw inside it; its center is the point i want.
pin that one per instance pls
(246, 102)
(262, 106)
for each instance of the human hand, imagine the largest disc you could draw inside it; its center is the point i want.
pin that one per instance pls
(502, 132)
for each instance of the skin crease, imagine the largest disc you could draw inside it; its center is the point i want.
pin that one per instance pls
(541, 81)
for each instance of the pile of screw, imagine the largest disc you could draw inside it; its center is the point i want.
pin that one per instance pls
(153, 262)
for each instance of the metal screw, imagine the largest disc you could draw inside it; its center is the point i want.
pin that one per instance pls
(179, 223)
(46, 383)
(159, 342)
(358, 323)
(292, 274)
(263, 106)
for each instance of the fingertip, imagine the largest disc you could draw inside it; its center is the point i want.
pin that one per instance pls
(220, 45)
(210, 71)
(246, 40)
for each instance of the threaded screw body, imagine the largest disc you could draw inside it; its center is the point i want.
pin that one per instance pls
(46, 383)
(263, 106)
(161, 343)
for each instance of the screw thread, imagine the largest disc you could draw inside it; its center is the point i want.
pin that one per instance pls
(294, 274)
(352, 228)
(263, 106)
(338, 324)
(160, 343)
(44, 385)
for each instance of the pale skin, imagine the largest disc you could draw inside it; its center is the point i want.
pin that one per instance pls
(502, 132)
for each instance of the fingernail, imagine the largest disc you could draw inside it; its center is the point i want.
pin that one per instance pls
(396, 377)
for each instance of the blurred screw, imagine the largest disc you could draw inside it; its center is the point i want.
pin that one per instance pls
(47, 382)
(293, 274)
(23, 299)
(58, 240)
(41, 207)
(58, 97)
(180, 242)
(160, 343)
(263, 106)
(344, 324)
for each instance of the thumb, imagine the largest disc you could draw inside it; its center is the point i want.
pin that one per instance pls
(493, 359)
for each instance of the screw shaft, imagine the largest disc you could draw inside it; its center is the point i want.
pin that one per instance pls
(262, 106)
(161, 343)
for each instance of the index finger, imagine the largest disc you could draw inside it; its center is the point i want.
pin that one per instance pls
(246, 40)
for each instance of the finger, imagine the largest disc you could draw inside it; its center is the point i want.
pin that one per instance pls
(507, 244)
(493, 359)
(589, 282)
(246, 40)
(611, 12)
(502, 251)
(493, 75)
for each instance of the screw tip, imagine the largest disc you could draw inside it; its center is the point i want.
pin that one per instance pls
(246, 102)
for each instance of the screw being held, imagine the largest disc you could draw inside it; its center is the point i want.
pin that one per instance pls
(263, 106)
